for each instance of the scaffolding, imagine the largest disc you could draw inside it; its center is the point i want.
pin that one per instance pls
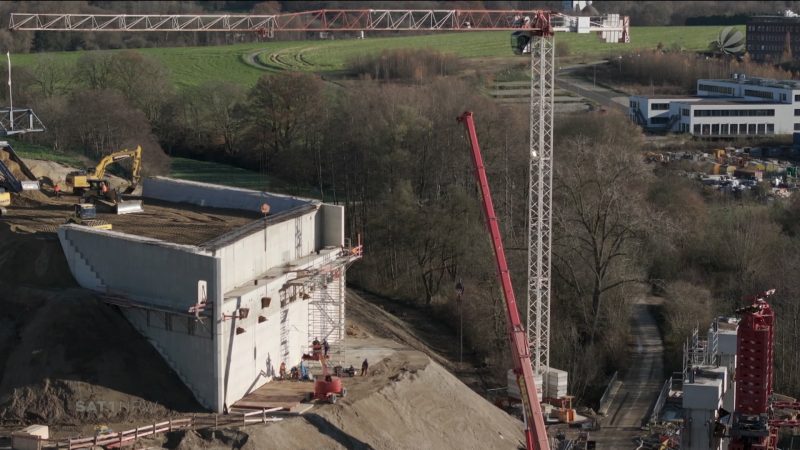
(323, 285)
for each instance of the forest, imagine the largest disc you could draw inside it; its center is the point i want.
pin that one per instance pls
(390, 150)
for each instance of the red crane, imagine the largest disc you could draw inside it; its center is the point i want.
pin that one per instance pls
(535, 431)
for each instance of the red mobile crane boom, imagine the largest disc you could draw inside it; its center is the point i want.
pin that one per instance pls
(535, 432)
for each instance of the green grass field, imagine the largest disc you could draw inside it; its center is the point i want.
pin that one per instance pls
(211, 172)
(191, 66)
(33, 151)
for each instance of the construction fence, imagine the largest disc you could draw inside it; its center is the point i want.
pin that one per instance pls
(125, 438)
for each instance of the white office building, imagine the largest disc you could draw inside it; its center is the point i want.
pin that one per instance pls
(739, 106)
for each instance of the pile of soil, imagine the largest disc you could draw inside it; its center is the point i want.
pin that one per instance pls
(5, 158)
(72, 359)
(66, 358)
(34, 259)
(409, 402)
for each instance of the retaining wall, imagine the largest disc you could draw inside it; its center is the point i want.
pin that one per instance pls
(146, 269)
(216, 196)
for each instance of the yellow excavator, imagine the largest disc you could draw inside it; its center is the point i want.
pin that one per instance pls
(93, 186)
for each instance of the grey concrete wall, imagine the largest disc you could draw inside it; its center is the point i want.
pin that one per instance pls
(253, 357)
(159, 274)
(277, 245)
(216, 196)
(191, 356)
(147, 269)
(332, 225)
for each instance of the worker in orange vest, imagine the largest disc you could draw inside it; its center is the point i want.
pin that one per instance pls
(104, 188)
(57, 190)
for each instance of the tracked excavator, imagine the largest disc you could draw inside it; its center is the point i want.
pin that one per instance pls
(93, 186)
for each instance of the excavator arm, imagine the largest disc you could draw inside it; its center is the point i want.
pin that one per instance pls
(100, 169)
(535, 431)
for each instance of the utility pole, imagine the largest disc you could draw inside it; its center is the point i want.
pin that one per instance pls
(10, 100)
(460, 293)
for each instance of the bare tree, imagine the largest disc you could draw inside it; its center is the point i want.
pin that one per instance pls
(599, 219)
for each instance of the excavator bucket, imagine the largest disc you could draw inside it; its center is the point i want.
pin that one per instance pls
(129, 207)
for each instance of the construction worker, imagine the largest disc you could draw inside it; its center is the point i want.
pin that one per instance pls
(326, 347)
(316, 349)
(57, 190)
(104, 187)
(282, 371)
(364, 367)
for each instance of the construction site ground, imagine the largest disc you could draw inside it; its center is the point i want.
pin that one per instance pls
(179, 223)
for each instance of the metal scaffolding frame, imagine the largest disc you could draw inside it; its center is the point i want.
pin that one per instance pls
(323, 285)
(540, 192)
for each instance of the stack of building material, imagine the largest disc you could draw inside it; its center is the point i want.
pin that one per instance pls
(556, 385)
(513, 386)
(31, 438)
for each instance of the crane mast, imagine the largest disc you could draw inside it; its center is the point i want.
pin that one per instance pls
(535, 431)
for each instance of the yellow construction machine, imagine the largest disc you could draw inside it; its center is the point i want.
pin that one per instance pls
(86, 214)
(93, 186)
(5, 200)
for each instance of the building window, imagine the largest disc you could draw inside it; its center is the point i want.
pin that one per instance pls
(659, 120)
(797, 127)
(751, 128)
(715, 129)
(634, 105)
(797, 97)
(697, 128)
(734, 112)
(761, 128)
(759, 94)
(685, 112)
(716, 89)
(770, 128)
(660, 106)
(706, 129)
(723, 129)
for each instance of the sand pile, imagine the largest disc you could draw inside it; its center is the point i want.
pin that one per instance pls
(5, 158)
(409, 402)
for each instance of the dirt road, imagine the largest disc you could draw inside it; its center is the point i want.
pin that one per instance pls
(640, 383)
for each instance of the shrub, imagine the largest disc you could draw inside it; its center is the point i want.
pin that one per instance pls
(404, 64)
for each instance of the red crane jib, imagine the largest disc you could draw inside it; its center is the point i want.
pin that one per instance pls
(535, 431)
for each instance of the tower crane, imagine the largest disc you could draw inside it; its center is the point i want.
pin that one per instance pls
(533, 32)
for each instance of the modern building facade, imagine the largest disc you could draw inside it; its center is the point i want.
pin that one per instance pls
(768, 36)
(736, 107)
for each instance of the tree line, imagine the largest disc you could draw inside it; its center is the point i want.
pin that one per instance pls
(393, 155)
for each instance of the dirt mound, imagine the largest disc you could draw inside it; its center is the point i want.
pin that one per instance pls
(32, 259)
(51, 171)
(410, 402)
(72, 359)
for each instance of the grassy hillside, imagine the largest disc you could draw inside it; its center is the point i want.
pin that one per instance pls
(210, 172)
(191, 66)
